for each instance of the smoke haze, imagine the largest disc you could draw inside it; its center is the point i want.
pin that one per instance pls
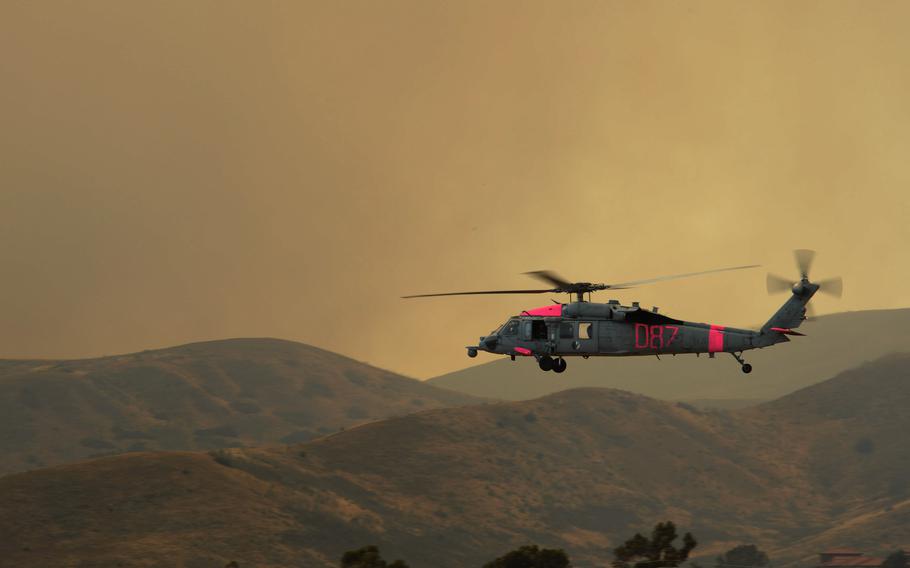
(180, 171)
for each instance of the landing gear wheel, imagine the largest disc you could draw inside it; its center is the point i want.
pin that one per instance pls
(559, 366)
(747, 368)
(546, 363)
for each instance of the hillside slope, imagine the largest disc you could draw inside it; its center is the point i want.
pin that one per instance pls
(860, 421)
(204, 395)
(853, 429)
(573, 469)
(579, 469)
(834, 343)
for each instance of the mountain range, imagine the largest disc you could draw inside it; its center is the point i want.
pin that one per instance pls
(215, 394)
(581, 469)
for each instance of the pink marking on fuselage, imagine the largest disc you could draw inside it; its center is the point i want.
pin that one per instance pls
(553, 310)
(522, 351)
(716, 339)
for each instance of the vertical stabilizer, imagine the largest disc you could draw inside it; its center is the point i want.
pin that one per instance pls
(793, 312)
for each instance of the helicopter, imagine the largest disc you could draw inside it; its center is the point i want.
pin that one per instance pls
(582, 328)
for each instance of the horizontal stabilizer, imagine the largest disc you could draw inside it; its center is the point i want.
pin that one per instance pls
(786, 331)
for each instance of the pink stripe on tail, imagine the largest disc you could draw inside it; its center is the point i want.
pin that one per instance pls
(716, 339)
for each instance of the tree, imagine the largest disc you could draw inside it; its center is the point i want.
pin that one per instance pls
(532, 557)
(897, 560)
(368, 557)
(743, 556)
(656, 552)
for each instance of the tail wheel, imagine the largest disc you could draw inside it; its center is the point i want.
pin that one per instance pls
(747, 368)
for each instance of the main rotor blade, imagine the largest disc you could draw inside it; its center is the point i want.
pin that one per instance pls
(550, 277)
(778, 284)
(804, 261)
(675, 276)
(832, 286)
(482, 292)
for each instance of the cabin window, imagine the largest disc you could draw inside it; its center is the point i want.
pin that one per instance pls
(585, 330)
(566, 330)
(539, 329)
(525, 330)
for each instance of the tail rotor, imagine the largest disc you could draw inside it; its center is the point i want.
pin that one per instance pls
(778, 284)
(804, 258)
(832, 286)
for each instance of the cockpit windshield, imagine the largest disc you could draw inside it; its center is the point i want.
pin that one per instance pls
(509, 328)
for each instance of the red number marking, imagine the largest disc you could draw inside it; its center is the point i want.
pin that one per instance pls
(657, 337)
(653, 337)
(675, 330)
(641, 343)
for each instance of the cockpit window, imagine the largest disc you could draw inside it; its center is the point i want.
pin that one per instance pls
(510, 328)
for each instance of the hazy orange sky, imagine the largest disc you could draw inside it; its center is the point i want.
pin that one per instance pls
(180, 171)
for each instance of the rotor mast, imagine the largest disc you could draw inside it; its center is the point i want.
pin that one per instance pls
(579, 289)
(582, 288)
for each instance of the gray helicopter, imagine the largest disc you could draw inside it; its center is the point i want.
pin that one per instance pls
(585, 329)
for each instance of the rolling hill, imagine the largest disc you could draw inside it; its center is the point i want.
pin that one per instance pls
(216, 394)
(834, 343)
(579, 469)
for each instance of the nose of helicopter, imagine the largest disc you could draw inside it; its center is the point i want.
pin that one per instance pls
(489, 341)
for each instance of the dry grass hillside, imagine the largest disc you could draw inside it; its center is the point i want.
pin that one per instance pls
(854, 431)
(834, 343)
(579, 469)
(228, 393)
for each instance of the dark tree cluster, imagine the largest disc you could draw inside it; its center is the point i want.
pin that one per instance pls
(637, 552)
(368, 557)
(655, 552)
(531, 557)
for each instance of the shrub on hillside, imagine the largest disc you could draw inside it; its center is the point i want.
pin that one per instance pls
(743, 556)
(896, 560)
(531, 557)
